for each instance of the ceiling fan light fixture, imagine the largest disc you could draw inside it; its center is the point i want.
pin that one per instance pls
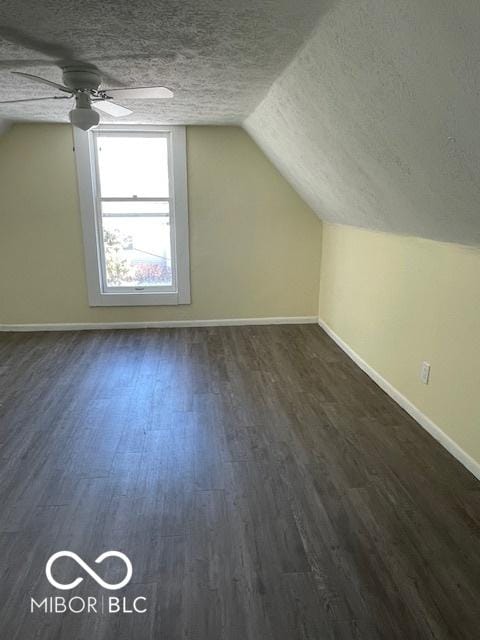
(84, 118)
(82, 82)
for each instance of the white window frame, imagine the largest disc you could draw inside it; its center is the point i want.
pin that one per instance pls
(99, 294)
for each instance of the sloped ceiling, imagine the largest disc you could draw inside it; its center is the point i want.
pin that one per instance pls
(219, 56)
(376, 122)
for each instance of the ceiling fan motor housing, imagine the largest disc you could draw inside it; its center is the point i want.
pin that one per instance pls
(81, 77)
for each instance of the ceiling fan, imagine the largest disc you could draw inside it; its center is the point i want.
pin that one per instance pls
(82, 82)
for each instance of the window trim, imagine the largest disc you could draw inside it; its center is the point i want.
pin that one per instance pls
(87, 176)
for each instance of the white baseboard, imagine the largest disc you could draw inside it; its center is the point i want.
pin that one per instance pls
(424, 421)
(160, 324)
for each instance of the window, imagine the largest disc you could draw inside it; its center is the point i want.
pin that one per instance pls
(133, 199)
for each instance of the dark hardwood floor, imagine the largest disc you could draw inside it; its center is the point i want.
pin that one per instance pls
(261, 485)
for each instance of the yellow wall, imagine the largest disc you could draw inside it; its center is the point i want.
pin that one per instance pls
(253, 242)
(254, 253)
(397, 301)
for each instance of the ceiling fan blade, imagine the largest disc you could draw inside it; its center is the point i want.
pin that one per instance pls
(35, 99)
(141, 93)
(35, 43)
(60, 54)
(111, 108)
(8, 63)
(30, 76)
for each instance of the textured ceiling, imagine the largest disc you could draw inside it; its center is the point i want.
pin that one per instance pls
(219, 56)
(376, 122)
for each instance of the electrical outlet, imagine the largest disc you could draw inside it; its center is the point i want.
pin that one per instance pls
(425, 372)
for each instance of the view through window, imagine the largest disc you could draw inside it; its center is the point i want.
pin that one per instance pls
(134, 199)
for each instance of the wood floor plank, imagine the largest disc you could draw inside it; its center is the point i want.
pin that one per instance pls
(263, 487)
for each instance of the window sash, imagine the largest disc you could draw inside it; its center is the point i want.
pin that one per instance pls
(131, 213)
(135, 215)
(104, 287)
(136, 199)
(141, 133)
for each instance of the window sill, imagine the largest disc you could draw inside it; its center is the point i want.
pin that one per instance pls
(138, 299)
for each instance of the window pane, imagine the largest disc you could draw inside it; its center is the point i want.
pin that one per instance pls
(137, 251)
(135, 207)
(133, 166)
